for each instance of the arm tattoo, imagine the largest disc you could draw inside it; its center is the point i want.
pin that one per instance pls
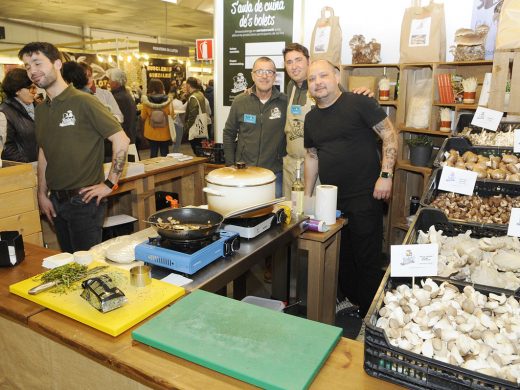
(385, 130)
(313, 153)
(119, 162)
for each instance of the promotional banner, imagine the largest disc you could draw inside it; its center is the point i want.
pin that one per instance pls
(253, 29)
(99, 68)
(168, 73)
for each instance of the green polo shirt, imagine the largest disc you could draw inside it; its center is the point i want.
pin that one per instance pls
(71, 129)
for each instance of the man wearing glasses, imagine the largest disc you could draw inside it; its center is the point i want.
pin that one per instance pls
(254, 130)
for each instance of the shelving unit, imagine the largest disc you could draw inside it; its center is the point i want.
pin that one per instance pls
(410, 180)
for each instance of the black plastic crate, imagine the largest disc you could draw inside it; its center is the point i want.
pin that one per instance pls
(430, 216)
(463, 145)
(482, 188)
(215, 153)
(414, 371)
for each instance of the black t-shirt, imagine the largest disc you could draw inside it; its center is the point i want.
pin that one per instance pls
(346, 143)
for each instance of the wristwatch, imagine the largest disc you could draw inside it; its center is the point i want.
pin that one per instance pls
(111, 185)
(386, 175)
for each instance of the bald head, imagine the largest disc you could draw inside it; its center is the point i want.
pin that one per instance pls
(323, 79)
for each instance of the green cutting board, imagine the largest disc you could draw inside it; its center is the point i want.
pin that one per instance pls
(266, 348)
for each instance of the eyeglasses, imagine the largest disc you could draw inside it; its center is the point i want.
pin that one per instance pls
(264, 72)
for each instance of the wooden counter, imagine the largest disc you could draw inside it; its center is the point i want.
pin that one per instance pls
(43, 349)
(186, 178)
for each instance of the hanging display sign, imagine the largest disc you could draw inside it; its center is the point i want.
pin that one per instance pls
(204, 49)
(253, 29)
(164, 49)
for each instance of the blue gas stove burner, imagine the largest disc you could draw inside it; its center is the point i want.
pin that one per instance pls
(187, 257)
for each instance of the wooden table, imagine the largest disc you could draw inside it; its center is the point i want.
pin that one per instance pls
(277, 242)
(187, 178)
(322, 279)
(43, 349)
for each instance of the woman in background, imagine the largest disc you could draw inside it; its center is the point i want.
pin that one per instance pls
(18, 116)
(180, 109)
(155, 112)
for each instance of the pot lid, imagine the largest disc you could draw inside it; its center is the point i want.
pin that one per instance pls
(240, 175)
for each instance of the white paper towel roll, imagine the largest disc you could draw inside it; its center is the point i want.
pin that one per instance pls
(326, 202)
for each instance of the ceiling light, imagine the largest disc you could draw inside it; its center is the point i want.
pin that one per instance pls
(129, 59)
(146, 56)
(109, 58)
(170, 61)
(170, 1)
(120, 57)
(100, 59)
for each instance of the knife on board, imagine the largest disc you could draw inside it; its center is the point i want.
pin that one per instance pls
(46, 286)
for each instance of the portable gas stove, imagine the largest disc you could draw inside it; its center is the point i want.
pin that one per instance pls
(252, 227)
(187, 256)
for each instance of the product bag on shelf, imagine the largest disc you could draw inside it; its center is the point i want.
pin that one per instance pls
(326, 37)
(423, 34)
(419, 100)
(508, 33)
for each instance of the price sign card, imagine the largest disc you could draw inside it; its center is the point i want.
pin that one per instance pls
(414, 260)
(513, 229)
(516, 146)
(487, 118)
(457, 180)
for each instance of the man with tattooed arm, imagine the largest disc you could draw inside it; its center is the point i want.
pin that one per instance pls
(70, 128)
(341, 145)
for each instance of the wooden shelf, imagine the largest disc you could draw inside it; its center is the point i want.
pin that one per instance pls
(370, 66)
(460, 106)
(402, 224)
(405, 164)
(422, 131)
(388, 103)
(468, 63)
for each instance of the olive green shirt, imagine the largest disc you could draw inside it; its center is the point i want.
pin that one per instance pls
(71, 129)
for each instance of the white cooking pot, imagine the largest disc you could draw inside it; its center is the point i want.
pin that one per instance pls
(238, 187)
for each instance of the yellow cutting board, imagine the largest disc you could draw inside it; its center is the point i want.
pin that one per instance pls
(142, 301)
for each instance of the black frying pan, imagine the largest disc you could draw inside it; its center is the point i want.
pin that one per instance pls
(188, 216)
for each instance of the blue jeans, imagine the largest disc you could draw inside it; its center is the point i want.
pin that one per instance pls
(79, 225)
(279, 184)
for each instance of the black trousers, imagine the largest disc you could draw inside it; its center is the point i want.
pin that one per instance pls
(360, 270)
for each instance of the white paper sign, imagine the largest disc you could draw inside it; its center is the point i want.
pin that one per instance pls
(321, 40)
(516, 145)
(414, 260)
(487, 118)
(513, 229)
(457, 180)
(420, 32)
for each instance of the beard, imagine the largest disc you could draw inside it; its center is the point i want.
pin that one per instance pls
(47, 80)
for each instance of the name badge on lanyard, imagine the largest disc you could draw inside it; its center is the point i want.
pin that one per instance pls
(296, 109)
(248, 118)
